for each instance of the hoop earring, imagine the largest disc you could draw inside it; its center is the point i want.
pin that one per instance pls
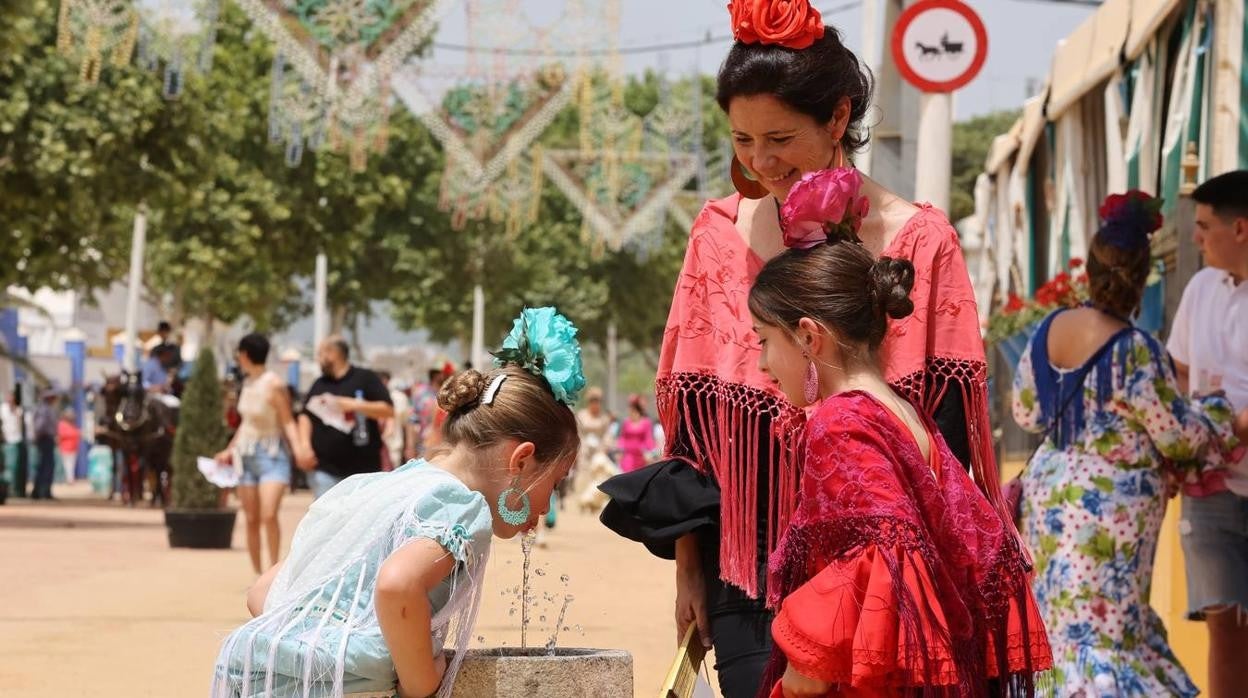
(810, 389)
(514, 517)
(745, 182)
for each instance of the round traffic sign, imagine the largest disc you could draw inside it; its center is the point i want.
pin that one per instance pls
(939, 45)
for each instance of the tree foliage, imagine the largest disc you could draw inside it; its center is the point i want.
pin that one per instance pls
(233, 232)
(971, 141)
(70, 158)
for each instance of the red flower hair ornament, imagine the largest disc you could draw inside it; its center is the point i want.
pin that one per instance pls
(790, 23)
(1127, 220)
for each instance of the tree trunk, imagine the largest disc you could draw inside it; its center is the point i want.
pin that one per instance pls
(357, 347)
(337, 319)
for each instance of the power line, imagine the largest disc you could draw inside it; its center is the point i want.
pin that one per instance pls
(625, 50)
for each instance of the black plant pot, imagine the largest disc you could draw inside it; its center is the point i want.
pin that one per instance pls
(4, 491)
(198, 528)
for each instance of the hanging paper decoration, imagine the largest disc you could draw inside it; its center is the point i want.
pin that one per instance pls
(94, 31)
(716, 183)
(485, 127)
(517, 77)
(334, 65)
(513, 202)
(181, 34)
(619, 195)
(628, 170)
(296, 113)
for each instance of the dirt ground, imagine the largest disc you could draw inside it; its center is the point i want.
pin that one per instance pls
(94, 602)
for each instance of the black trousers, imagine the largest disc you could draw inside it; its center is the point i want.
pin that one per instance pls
(46, 446)
(740, 626)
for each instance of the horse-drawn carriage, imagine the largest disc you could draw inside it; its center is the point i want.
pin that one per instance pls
(139, 427)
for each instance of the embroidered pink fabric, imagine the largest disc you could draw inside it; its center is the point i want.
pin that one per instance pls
(709, 388)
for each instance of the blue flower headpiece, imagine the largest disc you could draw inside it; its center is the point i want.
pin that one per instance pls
(543, 342)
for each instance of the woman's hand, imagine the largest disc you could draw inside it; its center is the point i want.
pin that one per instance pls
(1172, 482)
(690, 592)
(224, 457)
(798, 685)
(1241, 425)
(305, 459)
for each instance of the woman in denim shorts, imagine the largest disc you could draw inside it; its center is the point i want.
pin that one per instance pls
(259, 449)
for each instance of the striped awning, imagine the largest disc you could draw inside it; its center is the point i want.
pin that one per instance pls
(1090, 54)
(1147, 16)
(1003, 146)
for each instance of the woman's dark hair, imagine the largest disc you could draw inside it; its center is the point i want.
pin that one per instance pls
(523, 408)
(839, 285)
(256, 347)
(1117, 276)
(811, 80)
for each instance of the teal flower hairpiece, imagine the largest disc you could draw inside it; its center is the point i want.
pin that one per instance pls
(543, 342)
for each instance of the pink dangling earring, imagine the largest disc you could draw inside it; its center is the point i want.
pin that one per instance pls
(810, 390)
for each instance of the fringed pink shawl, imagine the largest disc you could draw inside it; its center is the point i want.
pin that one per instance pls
(714, 402)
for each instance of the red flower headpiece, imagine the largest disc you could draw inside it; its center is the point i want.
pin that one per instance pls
(789, 23)
(1128, 219)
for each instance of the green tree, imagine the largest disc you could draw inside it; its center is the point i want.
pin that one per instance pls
(224, 242)
(549, 262)
(971, 141)
(71, 158)
(201, 432)
(233, 231)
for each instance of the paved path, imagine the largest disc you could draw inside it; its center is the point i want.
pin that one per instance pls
(94, 602)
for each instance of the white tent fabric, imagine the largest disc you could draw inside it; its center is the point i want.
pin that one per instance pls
(1005, 234)
(1019, 218)
(1227, 146)
(983, 272)
(1115, 141)
(1183, 91)
(1067, 227)
(1141, 146)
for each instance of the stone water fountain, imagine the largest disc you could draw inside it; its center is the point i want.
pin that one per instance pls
(549, 671)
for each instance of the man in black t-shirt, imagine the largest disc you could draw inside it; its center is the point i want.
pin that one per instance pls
(335, 454)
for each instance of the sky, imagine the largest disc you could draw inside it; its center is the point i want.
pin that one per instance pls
(1022, 36)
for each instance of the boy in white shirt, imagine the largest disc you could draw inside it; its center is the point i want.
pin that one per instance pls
(1209, 344)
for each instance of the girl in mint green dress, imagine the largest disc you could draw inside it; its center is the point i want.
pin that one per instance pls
(385, 571)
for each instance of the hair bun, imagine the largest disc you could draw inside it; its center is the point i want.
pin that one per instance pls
(891, 282)
(462, 390)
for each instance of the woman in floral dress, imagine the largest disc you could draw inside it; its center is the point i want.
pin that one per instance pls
(1117, 432)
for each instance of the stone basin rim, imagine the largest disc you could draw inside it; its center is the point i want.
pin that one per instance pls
(542, 654)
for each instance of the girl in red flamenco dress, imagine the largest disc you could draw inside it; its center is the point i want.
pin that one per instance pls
(896, 576)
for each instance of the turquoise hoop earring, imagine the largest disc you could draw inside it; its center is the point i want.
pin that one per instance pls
(514, 517)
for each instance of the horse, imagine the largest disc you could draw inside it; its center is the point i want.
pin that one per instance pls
(927, 51)
(140, 426)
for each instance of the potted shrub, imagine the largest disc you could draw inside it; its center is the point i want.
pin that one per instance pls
(195, 519)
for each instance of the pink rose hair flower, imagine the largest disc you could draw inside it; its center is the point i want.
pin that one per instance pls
(823, 205)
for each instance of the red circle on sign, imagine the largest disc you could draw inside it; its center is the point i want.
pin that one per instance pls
(899, 52)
